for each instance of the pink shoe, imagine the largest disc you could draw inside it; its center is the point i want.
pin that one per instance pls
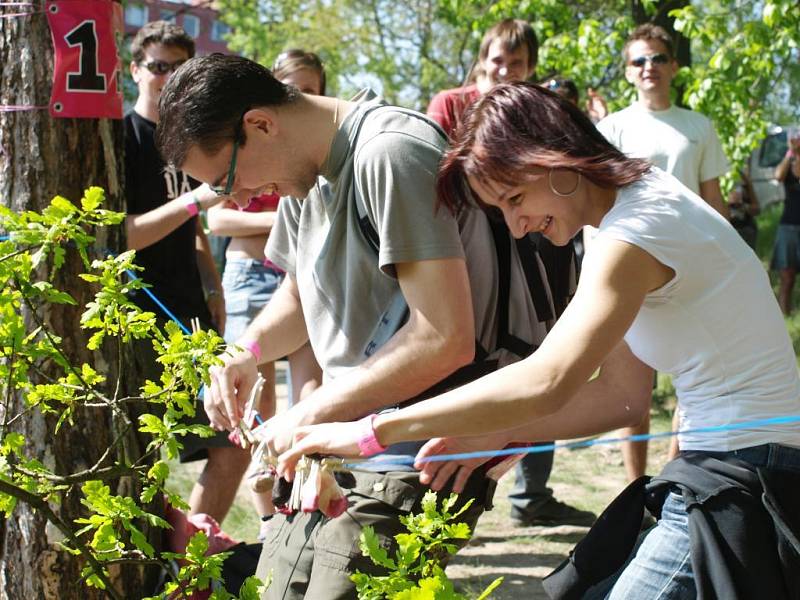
(183, 528)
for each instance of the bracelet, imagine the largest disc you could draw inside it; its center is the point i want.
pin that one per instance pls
(368, 444)
(193, 206)
(213, 292)
(254, 348)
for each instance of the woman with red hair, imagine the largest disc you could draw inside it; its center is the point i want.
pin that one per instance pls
(668, 284)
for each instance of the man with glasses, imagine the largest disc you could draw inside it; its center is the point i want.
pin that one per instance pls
(163, 227)
(394, 295)
(679, 141)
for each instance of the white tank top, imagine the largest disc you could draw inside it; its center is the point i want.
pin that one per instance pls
(716, 326)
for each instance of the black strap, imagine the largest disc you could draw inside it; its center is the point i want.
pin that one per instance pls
(505, 339)
(369, 233)
(527, 249)
(558, 263)
(464, 375)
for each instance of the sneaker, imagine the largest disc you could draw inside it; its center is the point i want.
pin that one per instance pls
(553, 512)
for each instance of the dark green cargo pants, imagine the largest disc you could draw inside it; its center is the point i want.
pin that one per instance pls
(312, 557)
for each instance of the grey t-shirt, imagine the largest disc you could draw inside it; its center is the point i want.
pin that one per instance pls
(390, 161)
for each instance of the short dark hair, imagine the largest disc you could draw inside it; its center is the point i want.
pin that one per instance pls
(650, 32)
(516, 126)
(160, 32)
(293, 60)
(204, 101)
(513, 34)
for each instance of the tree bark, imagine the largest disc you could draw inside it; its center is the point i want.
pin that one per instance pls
(41, 157)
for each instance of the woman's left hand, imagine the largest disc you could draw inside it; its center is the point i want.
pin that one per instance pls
(339, 439)
(437, 473)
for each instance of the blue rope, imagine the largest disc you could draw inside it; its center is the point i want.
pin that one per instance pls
(410, 460)
(147, 291)
(160, 304)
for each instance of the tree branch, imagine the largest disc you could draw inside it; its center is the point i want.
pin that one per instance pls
(39, 504)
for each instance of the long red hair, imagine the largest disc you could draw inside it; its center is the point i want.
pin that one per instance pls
(517, 126)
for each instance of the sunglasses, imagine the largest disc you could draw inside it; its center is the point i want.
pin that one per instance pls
(226, 191)
(160, 67)
(655, 59)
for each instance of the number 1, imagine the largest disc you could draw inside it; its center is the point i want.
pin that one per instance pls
(87, 79)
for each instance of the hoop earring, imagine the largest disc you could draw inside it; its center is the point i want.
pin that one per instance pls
(562, 194)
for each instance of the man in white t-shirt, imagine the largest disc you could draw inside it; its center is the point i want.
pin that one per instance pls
(679, 141)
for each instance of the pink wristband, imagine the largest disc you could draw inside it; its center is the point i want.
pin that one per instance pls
(192, 206)
(368, 444)
(254, 348)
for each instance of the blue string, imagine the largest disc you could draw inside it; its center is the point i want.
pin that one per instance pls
(158, 302)
(641, 437)
(147, 291)
(410, 460)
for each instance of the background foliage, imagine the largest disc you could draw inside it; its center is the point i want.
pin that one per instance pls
(744, 71)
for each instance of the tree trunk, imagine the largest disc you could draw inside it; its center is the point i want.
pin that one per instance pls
(41, 157)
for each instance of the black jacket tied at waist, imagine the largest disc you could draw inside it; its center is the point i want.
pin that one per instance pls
(744, 528)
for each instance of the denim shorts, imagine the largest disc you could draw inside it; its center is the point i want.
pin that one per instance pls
(786, 254)
(248, 286)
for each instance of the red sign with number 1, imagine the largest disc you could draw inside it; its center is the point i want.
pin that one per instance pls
(86, 76)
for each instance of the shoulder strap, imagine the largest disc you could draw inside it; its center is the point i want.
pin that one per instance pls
(559, 263)
(364, 222)
(527, 251)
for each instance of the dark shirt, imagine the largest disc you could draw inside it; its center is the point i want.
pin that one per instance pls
(744, 525)
(170, 264)
(791, 205)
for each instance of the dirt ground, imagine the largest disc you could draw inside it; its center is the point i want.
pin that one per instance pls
(587, 478)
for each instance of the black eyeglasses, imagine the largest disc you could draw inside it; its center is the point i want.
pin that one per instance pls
(655, 59)
(225, 191)
(160, 67)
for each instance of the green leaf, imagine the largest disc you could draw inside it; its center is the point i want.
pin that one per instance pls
(492, 587)
(12, 443)
(371, 547)
(159, 471)
(93, 197)
(251, 589)
(140, 541)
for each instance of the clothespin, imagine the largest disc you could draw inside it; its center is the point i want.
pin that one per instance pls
(195, 324)
(300, 475)
(246, 435)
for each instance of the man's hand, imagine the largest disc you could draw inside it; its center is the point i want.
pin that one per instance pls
(206, 197)
(216, 306)
(436, 474)
(596, 107)
(230, 388)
